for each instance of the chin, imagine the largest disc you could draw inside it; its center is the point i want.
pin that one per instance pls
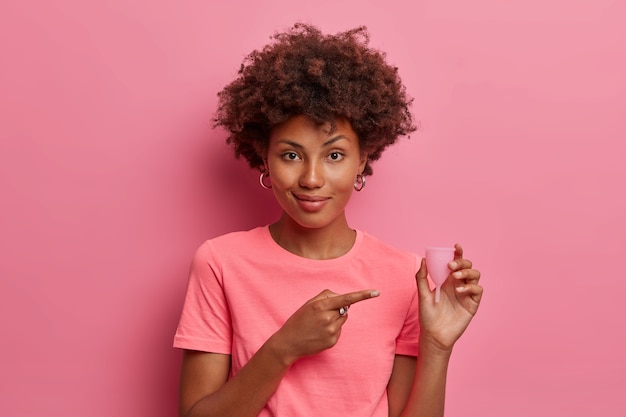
(313, 222)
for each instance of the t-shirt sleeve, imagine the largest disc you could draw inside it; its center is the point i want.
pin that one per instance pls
(407, 342)
(205, 323)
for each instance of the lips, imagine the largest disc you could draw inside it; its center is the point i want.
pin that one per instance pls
(310, 203)
(312, 198)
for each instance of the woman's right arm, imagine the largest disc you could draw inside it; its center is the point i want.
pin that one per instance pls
(206, 391)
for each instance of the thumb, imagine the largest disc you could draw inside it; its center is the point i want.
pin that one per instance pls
(423, 288)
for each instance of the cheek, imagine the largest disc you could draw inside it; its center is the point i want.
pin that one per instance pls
(343, 181)
(282, 179)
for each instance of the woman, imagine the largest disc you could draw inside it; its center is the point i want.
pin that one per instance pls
(265, 327)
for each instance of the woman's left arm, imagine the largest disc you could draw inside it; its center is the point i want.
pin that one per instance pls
(417, 385)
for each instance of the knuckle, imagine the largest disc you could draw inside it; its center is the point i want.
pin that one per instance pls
(334, 331)
(328, 320)
(318, 306)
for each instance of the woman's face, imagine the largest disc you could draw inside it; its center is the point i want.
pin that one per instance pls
(313, 171)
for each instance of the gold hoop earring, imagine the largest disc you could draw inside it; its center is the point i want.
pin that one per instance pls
(359, 184)
(262, 177)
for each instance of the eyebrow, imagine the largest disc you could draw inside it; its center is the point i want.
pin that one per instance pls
(327, 143)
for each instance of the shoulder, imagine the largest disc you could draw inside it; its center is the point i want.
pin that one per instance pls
(232, 244)
(236, 239)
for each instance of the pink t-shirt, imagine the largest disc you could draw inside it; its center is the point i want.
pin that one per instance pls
(243, 287)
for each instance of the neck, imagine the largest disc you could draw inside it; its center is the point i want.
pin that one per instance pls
(331, 241)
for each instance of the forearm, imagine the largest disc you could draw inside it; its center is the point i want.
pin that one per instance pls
(249, 390)
(427, 398)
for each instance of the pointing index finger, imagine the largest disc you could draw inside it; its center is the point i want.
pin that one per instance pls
(351, 298)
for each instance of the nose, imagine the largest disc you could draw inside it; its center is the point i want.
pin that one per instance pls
(312, 175)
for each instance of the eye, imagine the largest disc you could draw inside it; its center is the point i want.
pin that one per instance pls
(290, 156)
(335, 156)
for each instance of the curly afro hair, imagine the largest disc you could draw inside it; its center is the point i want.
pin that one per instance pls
(303, 71)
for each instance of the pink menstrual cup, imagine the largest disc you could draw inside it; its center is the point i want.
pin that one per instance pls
(437, 260)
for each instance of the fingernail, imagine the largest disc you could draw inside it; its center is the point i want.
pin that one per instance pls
(375, 293)
(452, 265)
(457, 274)
(460, 289)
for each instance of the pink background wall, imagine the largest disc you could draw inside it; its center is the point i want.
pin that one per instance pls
(111, 176)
